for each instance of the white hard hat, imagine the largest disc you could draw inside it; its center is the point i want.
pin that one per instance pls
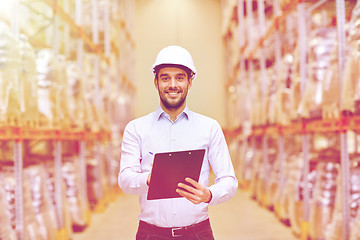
(175, 55)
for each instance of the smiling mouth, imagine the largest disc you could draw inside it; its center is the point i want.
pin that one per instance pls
(173, 94)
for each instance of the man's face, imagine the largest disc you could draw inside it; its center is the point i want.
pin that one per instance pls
(172, 84)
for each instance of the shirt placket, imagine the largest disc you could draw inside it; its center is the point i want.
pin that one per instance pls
(172, 147)
(172, 136)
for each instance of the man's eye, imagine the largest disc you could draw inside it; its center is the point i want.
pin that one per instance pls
(180, 78)
(165, 78)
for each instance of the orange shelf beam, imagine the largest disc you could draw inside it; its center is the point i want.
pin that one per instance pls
(302, 127)
(19, 133)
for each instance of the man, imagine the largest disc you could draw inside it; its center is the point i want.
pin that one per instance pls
(173, 127)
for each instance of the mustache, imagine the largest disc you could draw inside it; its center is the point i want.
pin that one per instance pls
(173, 90)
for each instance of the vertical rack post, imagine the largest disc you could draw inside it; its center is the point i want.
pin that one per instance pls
(82, 140)
(277, 11)
(18, 158)
(66, 30)
(107, 44)
(264, 81)
(95, 38)
(305, 135)
(55, 38)
(80, 41)
(345, 162)
(108, 87)
(98, 95)
(241, 30)
(58, 185)
(83, 177)
(250, 23)
(19, 196)
(305, 224)
(281, 157)
(61, 233)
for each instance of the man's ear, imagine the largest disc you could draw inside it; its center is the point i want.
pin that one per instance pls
(156, 83)
(190, 82)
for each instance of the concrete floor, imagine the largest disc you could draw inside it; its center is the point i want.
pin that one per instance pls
(238, 219)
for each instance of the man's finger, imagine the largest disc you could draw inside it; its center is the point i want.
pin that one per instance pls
(193, 182)
(187, 187)
(191, 197)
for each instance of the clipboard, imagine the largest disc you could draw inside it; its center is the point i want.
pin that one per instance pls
(171, 168)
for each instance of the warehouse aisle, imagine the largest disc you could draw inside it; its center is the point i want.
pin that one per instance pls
(238, 219)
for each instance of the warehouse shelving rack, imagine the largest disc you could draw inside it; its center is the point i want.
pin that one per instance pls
(18, 134)
(303, 127)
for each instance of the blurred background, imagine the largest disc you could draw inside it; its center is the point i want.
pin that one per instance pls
(282, 77)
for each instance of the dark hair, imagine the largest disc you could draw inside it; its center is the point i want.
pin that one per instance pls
(186, 69)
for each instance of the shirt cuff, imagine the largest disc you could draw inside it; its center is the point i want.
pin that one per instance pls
(210, 196)
(216, 195)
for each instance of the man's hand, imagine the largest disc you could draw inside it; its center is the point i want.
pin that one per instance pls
(197, 194)
(149, 177)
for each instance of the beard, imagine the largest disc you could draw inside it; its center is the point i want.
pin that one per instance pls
(173, 103)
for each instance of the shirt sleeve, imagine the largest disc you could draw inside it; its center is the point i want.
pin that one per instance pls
(131, 178)
(226, 183)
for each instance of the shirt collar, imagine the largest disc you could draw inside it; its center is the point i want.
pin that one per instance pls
(159, 112)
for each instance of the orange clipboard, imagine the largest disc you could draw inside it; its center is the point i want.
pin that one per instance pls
(171, 168)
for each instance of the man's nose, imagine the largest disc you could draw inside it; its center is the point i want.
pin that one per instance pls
(173, 83)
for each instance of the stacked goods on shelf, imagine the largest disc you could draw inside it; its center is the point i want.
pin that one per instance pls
(77, 204)
(330, 90)
(124, 105)
(277, 182)
(321, 45)
(291, 194)
(271, 98)
(273, 184)
(256, 98)
(112, 165)
(48, 69)
(28, 84)
(33, 228)
(246, 160)
(52, 91)
(35, 21)
(234, 154)
(289, 206)
(350, 102)
(257, 161)
(50, 183)
(97, 182)
(9, 78)
(94, 186)
(91, 115)
(334, 228)
(264, 173)
(6, 230)
(76, 95)
(324, 192)
(41, 201)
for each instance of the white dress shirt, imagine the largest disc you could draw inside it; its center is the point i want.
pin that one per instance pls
(155, 133)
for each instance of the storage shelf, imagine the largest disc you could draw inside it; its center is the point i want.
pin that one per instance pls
(249, 53)
(286, 9)
(88, 41)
